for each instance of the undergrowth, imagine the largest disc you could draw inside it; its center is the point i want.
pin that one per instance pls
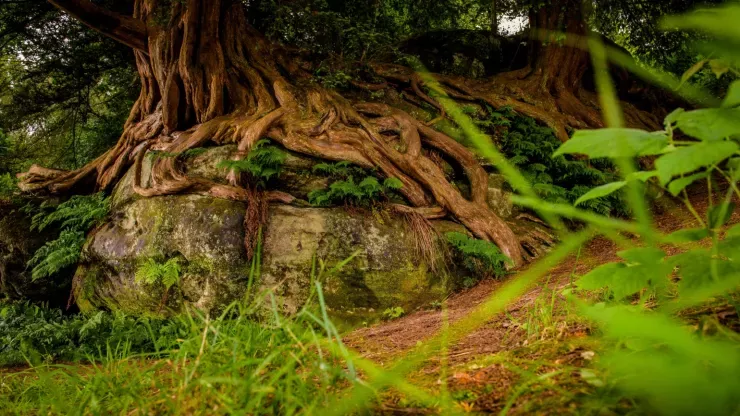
(74, 218)
(240, 361)
(480, 257)
(36, 334)
(263, 163)
(530, 146)
(346, 189)
(167, 274)
(8, 187)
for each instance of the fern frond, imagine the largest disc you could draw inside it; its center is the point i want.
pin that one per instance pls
(57, 254)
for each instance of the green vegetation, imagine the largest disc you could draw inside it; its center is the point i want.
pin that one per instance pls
(74, 218)
(480, 257)
(393, 313)
(264, 162)
(167, 274)
(344, 190)
(530, 148)
(8, 186)
(37, 335)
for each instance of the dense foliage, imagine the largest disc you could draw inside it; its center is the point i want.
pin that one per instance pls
(35, 334)
(345, 189)
(65, 91)
(263, 163)
(479, 257)
(646, 359)
(74, 218)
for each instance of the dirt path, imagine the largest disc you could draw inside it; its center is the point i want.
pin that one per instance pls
(506, 335)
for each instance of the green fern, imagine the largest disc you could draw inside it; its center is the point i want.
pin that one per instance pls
(74, 217)
(341, 170)
(263, 163)
(57, 254)
(345, 190)
(530, 146)
(79, 213)
(151, 272)
(363, 193)
(480, 257)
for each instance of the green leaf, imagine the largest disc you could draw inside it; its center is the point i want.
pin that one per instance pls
(641, 176)
(732, 99)
(599, 277)
(710, 124)
(733, 232)
(720, 214)
(719, 67)
(642, 255)
(645, 269)
(693, 70)
(690, 158)
(673, 116)
(393, 183)
(687, 235)
(678, 185)
(614, 143)
(601, 191)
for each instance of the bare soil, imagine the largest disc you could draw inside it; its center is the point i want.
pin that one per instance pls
(485, 370)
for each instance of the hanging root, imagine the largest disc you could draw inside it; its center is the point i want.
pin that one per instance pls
(254, 219)
(428, 242)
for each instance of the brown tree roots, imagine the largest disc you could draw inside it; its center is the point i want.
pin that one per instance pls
(208, 77)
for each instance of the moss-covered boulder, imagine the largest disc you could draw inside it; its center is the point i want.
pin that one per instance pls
(205, 237)
(17, 246)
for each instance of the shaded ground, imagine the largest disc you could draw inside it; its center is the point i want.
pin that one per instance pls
(530, 359)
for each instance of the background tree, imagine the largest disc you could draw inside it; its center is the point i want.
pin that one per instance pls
(65, 91)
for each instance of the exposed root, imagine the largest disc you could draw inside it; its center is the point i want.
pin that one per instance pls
(558, 106)
(254, 219)
(209, 77)
(429, 246)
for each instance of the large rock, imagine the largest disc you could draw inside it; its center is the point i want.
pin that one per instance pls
(206, 236)
(17, 246)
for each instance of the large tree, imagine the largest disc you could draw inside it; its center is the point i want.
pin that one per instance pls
(209, 76)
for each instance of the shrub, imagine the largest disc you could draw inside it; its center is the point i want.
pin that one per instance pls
(393, 313)
(530, 147)
(8, 186)
(480, 257)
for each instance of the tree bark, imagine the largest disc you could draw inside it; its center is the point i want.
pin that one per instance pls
(210, 77)
(131, 32)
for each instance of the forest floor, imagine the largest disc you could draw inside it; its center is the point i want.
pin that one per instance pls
(536, 357)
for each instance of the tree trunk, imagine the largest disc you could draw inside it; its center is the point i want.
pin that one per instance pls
(209, 77)
(551, 88)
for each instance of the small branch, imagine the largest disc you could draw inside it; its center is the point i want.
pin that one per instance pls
(127, 30)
